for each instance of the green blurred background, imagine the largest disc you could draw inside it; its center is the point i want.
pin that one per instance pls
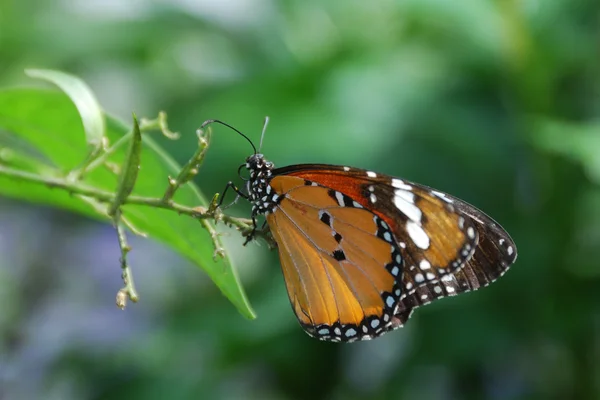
(496, 102)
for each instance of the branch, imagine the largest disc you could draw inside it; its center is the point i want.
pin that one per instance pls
(108, 197)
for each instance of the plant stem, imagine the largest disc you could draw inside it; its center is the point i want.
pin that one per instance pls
(129, 288)
(100, 195)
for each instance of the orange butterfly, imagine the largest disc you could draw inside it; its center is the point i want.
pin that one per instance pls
(361, 250)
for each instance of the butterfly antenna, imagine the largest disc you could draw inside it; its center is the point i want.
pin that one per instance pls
(216, 121)
(262, 135)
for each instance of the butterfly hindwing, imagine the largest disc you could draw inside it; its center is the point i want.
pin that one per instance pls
(342, 276)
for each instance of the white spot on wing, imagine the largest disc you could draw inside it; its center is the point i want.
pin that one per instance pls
(371, 174)
(425, 264)
(510, 250)
(406, 195)
(373, 198)
(399, 184)
(441, 196)
(419, 278)
(471, 233)
(346, 169)
(418, 235)
(340, 198)
(390, 301)
(404, 203)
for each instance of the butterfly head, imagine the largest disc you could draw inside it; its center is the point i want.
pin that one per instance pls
(263, 197)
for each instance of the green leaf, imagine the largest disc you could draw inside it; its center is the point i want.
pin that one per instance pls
(130, 168)
(48, 121)
(83, 98)
(578, 141)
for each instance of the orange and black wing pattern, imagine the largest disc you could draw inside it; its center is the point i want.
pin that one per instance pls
(360, 250)
(340, 263)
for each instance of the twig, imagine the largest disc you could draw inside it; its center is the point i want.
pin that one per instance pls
(146, 125)
(103, 196)
(190, 169)
(128, 291)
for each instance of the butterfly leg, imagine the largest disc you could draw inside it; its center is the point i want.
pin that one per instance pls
(250, 236)
(231, 185)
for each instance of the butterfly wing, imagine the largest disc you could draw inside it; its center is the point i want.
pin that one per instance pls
(340, 271)
(446, 245)
(435, 237)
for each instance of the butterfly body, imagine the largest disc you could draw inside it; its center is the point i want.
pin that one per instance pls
(361, 250)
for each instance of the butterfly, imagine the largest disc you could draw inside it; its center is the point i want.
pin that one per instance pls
(360, 250)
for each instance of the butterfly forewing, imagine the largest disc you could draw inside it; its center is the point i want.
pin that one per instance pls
(435, 239)
(494, 255)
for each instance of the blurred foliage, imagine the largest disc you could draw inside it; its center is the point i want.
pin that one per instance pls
(50, 151)
(496, 102)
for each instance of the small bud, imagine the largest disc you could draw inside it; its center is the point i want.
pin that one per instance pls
(121, 299)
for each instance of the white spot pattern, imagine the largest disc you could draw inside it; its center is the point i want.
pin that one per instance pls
(471, 232)
(404, 201)
(441, 196)
(387, 236)
(399, 184)
(340, 198)
(418, 235)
